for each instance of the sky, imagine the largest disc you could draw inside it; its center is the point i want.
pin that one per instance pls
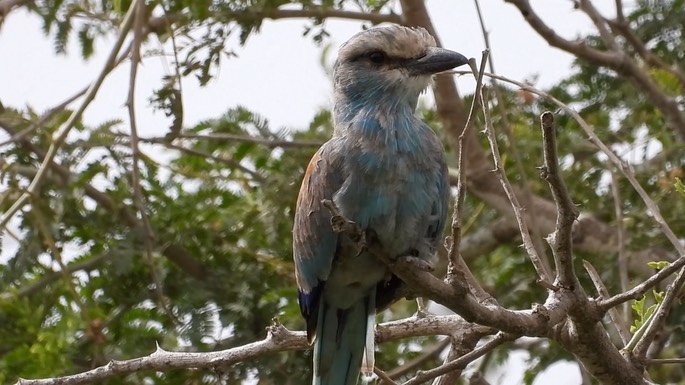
(278, 74)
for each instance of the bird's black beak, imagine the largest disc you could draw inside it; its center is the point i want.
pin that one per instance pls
(436, 60)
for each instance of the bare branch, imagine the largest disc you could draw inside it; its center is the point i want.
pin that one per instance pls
(456, 296)
(457, 269)
(620, 233)
(230, 162)
(385, 379)
(540, 268)
(600, 23)
(462, 361)
(664, 361)
(278, 339)
(461, 190)
(640, 290)
(427, 354)
(560, 239)
(616, 317)
(458, 348)
(532, 225)
(619, 11)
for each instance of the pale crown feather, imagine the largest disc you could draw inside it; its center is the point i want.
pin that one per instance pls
(396, 41)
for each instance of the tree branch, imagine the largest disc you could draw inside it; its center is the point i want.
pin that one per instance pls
(462, 361)
(616, 60)
(560, 239)
(278, 339)
(544, 275)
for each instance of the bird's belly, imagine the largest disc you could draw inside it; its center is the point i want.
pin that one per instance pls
(395, 205)
(352, 278)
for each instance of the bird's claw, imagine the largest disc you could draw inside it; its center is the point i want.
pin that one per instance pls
(338, 223)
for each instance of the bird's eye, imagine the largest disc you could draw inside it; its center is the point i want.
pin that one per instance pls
(377, 57)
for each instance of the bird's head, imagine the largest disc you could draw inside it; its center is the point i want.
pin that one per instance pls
(392, 64)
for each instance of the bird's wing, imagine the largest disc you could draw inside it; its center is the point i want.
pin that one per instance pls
(314, 242)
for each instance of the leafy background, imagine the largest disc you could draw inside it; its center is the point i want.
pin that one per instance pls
(89, 283)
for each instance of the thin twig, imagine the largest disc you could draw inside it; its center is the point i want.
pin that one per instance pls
(230, 162)
(619, 11)
(278, 339)
(462, 361)
(616, 317)
(540, 268)
(533, 232)
(384, 377)
(177, 101)
(599, 21)
(427, 354)
(49, 114)
(138, 199)
(456, 265)
(640, 290)
(73, 118)
(664, 361)
(620, 233)
(461, 190)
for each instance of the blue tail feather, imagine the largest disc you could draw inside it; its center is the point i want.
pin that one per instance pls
(340, 342)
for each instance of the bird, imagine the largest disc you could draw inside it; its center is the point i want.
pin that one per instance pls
(383, 169)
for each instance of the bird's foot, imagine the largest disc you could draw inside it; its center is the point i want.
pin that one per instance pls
(421, 313)
(422, 308)
(340, 224)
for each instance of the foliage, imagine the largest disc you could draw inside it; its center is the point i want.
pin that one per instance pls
(221, 210)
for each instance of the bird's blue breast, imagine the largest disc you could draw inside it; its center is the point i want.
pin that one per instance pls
(393, 179)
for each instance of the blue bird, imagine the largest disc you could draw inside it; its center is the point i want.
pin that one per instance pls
(385, 170)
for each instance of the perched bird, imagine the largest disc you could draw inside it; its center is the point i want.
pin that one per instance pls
(385, 170)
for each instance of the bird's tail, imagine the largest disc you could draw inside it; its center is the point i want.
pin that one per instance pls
(343, 338)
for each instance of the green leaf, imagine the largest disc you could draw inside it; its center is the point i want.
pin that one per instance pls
(658, 264)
